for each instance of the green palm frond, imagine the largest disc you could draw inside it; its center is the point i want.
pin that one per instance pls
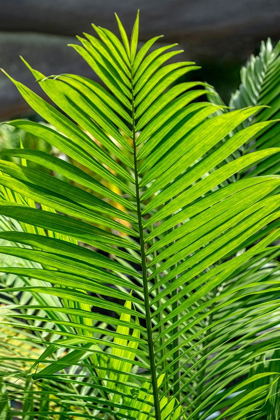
(165, 271)
(259, 86)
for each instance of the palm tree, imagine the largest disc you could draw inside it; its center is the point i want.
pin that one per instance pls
(144, 283)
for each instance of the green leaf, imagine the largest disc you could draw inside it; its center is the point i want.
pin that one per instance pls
(134, 38)
(139, 258)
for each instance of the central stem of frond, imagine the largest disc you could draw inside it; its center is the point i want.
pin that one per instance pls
(144, 271)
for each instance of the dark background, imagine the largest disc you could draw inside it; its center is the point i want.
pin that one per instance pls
(217, 34)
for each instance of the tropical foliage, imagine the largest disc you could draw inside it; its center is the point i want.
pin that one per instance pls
(142, 280)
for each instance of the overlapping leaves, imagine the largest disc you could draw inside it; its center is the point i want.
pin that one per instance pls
(130, 286)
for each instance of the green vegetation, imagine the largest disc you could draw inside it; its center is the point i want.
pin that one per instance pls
(140, 277)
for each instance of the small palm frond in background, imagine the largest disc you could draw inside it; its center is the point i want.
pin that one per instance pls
(164, 306)
(260, 80)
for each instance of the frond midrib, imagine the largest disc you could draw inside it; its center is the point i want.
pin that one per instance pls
(143, 262)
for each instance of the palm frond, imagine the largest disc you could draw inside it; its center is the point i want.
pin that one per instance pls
(169, 314)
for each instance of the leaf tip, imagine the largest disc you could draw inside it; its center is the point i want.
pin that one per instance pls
(6, 74)
(26, 63)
